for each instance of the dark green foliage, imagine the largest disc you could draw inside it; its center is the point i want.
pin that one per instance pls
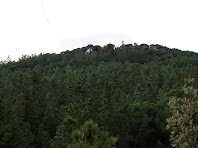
(13, 132)
(90, 136)
(63, 133)
(125, 89)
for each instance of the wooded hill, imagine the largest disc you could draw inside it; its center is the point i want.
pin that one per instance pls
(125, 90)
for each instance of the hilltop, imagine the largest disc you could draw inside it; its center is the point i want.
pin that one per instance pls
(95, 54)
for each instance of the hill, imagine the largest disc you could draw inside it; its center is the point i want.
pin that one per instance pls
(125, 89)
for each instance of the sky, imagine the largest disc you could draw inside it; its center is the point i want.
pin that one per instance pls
(51, 26)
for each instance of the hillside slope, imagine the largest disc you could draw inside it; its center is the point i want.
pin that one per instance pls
(124, 89)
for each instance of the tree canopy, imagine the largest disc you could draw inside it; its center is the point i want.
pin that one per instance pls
(49, 100)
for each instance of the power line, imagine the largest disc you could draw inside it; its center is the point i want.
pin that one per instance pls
(44, 12)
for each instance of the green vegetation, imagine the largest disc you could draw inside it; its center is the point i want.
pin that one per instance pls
(111, 93)
(184, 121)
(90, 136)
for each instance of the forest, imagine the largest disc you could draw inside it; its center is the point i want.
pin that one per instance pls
(100, 97)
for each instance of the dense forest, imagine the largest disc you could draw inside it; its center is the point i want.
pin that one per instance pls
(112, 96)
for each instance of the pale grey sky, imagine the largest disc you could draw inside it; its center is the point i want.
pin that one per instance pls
(69, 24)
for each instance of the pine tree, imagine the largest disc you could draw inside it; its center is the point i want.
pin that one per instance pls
(90, 136)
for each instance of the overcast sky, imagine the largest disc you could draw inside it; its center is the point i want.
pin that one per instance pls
(52, 26)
